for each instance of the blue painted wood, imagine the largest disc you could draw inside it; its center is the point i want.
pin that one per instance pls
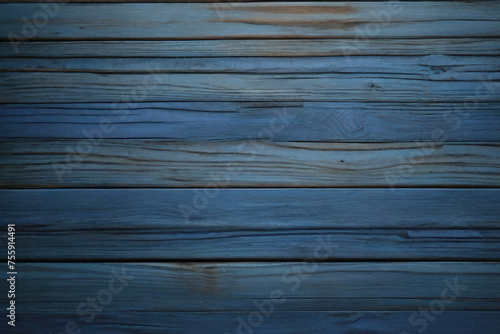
(197, 80)
(209, 297)
(280, 322)
(162, 164)
(259, 20)
(473, 46)
(260, 209)
(272, 224)
(213, 286)
(36, 87)
(229, 121)
(433, 67)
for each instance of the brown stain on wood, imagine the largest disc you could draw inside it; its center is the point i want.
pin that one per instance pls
(330, 23)
(207, 274)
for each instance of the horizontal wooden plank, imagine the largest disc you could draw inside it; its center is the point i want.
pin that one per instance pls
(229, 121)
(249, 224)
(112, 240)
(256, 20)
(132, 241)
(280, 322)
(247, 209)
(150, 163)
(256, 48)
(35, 87)
(234, 286)
(421, 68)
(190, 296)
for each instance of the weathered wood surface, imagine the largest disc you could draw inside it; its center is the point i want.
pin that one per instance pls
(258, 209)
(32, 87)
(193, 297)
(230, 121)
(133, 241)
(256, 48)
(372, 95)
(296, 322)
(150, 163)
(254, 224)
(259, 20)
(436, 68)
(213, 286)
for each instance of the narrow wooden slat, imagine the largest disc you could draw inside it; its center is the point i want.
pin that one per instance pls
(234, 286)
(258, 20)
(421, 68)
(229, 121)
(256, 48)
(148, 163)
(254, 224)
(246, 209)
(34, 87)
(137, 243)
(280, 322)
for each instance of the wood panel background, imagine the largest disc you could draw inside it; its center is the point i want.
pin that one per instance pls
(252, 167)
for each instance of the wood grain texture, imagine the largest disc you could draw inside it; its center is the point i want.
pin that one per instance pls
(328, 105)
(437, 68)
(35, 87)
(133, 242)
(283, 224)
(328, 322)
(230, 121)
(168, 288)
(212, 286)
(259, 20)
(256, 48)
(149, 163)
(259, 209)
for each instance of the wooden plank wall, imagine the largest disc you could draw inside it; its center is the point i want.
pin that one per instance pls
(252, 167)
